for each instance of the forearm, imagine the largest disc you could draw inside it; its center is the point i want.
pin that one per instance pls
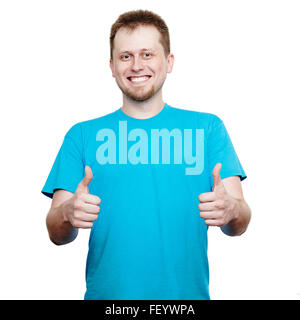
(239, 224)
(59, 228)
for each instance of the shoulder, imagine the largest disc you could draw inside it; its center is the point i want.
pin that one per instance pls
(85, 126)
(208, 118)
(99, 120)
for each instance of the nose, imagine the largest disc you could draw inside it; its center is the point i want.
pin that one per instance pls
(137, 64)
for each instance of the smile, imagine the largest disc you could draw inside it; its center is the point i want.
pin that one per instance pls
(139, 79)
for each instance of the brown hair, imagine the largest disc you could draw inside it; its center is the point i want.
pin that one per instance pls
(133, 19)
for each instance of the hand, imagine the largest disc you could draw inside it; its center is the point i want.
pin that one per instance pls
(217, 208)
(83, 208)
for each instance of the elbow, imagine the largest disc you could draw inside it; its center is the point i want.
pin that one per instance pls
(51, 235)
(61, 240)
(238, 226)
(243, 228)
(55, 241)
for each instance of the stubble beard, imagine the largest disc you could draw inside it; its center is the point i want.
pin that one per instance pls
(135, 96)
(139, 96)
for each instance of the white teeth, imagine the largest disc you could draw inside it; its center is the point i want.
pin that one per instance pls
(139, 79)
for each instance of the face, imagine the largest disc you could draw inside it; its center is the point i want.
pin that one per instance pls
(139, 64)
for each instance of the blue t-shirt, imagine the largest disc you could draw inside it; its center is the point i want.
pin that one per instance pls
(149, 241)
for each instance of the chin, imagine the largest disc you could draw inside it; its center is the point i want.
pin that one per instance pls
(139, 97)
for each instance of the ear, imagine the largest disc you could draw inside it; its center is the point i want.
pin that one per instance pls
(111, 67)
(170, 63)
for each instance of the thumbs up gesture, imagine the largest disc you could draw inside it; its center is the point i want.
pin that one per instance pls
(83, 207)
(217, 208)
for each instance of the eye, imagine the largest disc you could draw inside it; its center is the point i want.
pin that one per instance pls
(147, 54)
(125, 57)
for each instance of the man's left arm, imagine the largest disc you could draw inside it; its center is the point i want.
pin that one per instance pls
(225, 206)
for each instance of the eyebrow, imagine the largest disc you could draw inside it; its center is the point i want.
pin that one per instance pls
(144, 49)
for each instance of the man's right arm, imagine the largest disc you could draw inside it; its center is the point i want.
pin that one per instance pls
(70, 211)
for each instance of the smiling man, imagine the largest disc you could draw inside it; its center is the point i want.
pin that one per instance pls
(148, 179)
(139, 64)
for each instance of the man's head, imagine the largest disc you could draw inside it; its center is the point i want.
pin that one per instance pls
(140, 54)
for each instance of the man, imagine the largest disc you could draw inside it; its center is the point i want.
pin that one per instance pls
(161, 175)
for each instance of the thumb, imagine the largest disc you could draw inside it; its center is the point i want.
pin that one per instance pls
(83, 186)
(216, 175)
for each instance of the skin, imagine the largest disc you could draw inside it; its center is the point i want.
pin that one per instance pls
(70, 211)
(140, 100)
(224, 207)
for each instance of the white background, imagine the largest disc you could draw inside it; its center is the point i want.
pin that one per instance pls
(237, 59)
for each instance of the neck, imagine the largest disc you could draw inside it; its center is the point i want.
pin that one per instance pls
(143, 109)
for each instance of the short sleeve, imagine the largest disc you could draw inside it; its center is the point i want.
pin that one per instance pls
(68, 168)
(220, 149)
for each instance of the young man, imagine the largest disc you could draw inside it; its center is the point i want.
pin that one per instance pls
(161, 175)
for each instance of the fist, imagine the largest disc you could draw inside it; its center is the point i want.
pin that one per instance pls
(216, 207)
(83, 208)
